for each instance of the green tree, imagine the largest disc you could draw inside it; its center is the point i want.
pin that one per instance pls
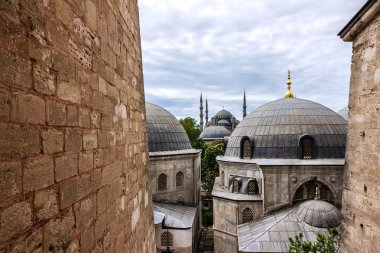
(209, 166)
(191, 128)
(325, 244)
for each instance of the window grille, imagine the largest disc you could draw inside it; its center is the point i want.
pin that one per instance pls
(246, 149)
(252, 187)
(166, 239)
(307, 147)
(247, 215)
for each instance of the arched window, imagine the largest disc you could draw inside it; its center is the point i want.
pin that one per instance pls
(179, 179)
(166, 239)
(253, 188)
(246, 148)
(307, 147)
(235, 188)
(247, 215)
(162, 182)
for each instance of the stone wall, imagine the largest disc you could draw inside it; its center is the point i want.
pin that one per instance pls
(361, 193)
(73, 151)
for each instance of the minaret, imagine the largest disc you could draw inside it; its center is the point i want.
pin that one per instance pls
(201, 114)
(206, 112)
(244, 107)
(289, 93)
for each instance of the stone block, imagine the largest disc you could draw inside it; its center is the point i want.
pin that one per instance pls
(66, 166)
(44, 80)
(81, 53)
(10, 179)
(19, 142)
(111, 172)
(45, 204)
(15, 220)
(102, 199)
(58, 232)
(96, 179)
(5, 102)
(95, 119)
(113, 92)
(87, 240)
(86, 161)
(38, 173)
(91, 15)
(90, 140)
(74, 189)
(99, 158)
(85, 212)
(15, 71)
(52, 141)
(31, 243)
(25, 105)
(103, 86)
(62, 64)
(72, 116)
(84, 118)
(56, 113)
(69, 91)
(73, 140)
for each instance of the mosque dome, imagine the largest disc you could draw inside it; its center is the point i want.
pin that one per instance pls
(223, 114)
(276, 129)
(165, 133)
(319, 213)
(214, 132)
(223, 122)
(344, 113)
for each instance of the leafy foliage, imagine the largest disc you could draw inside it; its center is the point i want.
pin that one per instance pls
(207, 218)
(209, 166)
(324, 244)
(191, 128)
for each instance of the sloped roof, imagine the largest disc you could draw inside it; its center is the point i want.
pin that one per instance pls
(174, 216)
(271, 234)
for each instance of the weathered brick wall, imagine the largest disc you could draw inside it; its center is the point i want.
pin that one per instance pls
(361, 192)
(73, 153)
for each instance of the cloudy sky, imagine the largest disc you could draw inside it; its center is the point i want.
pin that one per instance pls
(223, 47)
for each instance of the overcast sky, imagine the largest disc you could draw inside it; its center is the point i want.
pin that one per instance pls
(223, 47)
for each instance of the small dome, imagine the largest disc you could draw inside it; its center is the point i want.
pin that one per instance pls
(319, 213)
(276, 128)
(214, 132)
(165, 133)
(223, 114)
(344, 113)
(223, 122)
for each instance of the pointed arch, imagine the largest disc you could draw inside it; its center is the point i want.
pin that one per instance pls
(162, 182)
(247, 215)
(166, 239)
(179, 179)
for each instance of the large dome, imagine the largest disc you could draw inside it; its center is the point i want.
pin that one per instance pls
(165, 133)
(319, 213)
(276, 129)
(223, 114)
(214, 132)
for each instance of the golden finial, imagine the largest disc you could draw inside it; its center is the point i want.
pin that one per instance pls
(289, 93)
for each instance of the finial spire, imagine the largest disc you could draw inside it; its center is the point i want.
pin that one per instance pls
(206, 111)
(222, 107)
(201, 113)
(244, 106)
(289, 93)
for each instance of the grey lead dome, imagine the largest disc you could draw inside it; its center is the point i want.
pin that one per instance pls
(319, 213)
(214, 132)
(276, 128)
(165, 133)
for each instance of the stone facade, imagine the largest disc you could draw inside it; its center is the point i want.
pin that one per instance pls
(73, 145)
(361, 194)
(277, 186)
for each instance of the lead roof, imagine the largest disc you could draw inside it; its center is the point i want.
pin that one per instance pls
(276, 128)
(165, 133)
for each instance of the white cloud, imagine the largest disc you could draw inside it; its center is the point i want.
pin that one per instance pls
(222, 47)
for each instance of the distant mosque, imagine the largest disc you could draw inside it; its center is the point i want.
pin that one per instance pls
(221, 125)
